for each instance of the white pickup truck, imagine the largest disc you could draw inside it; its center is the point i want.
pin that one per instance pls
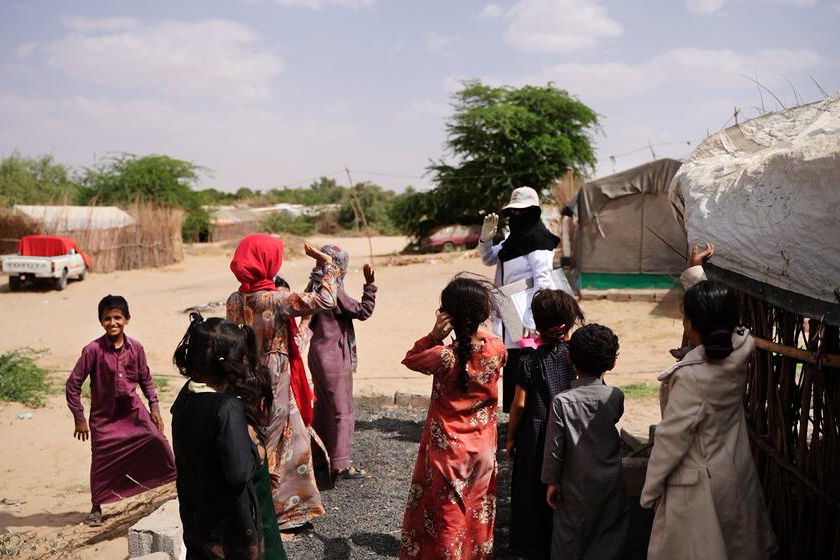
(44, 258)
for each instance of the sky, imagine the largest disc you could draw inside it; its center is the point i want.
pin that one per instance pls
(271, 93)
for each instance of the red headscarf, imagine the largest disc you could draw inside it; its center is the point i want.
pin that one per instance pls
(255, 263)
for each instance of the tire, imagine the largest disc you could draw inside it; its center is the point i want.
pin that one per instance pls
(83, 275)
(14, 283)
(448, 247)
(61, 283)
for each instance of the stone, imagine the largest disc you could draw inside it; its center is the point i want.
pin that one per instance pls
(416, 400)
(158, 532)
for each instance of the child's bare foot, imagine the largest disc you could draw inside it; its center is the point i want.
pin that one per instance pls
(94, 519)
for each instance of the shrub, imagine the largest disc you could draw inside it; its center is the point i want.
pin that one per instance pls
(282, 222)
(21, 379)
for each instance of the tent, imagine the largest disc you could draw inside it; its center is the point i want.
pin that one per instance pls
(626, 234)
(230, 222)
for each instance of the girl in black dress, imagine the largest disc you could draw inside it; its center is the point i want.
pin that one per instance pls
(215, 421)
(543, 373)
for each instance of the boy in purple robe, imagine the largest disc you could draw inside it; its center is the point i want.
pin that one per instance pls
(129, 451)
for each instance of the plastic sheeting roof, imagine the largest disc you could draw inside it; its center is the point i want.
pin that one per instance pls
(652, 178)
(767, 194)
(76, 218)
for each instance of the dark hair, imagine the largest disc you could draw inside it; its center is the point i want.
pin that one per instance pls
(593, 349)
(713, 309)
(555, 313)
(469, 301)
(280, 282)
(222, 351)
(113, 302)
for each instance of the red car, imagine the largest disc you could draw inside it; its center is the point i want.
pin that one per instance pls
(449, 238)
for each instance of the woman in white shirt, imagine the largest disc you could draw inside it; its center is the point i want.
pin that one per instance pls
(527, 252)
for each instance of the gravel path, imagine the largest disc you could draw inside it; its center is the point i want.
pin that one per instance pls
(364, 517)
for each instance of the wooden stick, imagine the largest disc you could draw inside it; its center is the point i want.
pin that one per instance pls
(362, 213)
(827, 360)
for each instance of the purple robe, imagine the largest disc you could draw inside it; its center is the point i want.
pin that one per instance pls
(332, 362)
(129, 454)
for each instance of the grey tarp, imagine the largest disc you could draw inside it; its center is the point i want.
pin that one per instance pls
(625, 223)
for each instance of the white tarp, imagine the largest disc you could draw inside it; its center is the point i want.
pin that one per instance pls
(59, 219)
(766, 193)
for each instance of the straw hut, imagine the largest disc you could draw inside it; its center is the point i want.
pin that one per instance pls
(116, 239)
(766, 193)
(229, 222)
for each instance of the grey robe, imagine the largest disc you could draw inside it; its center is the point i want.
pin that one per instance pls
(583, 455)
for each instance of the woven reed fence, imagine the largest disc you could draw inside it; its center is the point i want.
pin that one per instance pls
(153, 241)
(793, 406)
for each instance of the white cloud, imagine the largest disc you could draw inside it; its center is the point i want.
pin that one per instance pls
(703, 7)
(436, 42)
(87, 25)
(214, 58)
(713, 69)
(559, 25)
(26, 50)
(491, 11)
(318, 4)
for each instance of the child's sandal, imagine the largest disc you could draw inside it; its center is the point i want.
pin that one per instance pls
(94, 519)
(352, 473)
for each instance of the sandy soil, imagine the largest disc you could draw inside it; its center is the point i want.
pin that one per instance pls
(44, 483)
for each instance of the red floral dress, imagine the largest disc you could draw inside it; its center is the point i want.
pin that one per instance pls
(451, 507)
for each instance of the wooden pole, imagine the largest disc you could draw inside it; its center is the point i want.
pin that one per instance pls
(358, 206)
(827, 360)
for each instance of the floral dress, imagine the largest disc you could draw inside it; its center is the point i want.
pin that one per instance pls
(451, 507)
(288, 447)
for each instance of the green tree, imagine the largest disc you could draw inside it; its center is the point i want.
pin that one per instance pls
(502, 138)
(159, 179)
(25, 180)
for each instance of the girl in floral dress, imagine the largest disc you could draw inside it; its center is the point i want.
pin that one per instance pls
(270, 312)
(451, 506)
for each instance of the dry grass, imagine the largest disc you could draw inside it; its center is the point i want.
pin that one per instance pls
(13, 227)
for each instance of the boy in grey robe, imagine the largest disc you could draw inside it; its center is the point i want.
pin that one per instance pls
(582, 457)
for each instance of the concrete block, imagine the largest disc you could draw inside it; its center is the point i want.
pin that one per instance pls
(416, 400)
(159, 532)
(154, 556)
(635, 470)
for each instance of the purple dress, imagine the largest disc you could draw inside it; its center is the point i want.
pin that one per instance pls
(332, 362)
(129, 454)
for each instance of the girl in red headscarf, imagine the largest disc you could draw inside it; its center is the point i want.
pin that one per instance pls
(270, 312)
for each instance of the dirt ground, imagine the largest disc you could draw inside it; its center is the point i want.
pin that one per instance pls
(44, 488)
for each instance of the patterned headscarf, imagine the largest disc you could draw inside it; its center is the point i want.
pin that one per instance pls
(340, 258)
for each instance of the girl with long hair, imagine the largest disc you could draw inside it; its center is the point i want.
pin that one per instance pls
(451, 505)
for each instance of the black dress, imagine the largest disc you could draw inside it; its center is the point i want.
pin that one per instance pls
(543, 373)
(216, 462)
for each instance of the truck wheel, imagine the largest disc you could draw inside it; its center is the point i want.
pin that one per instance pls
(83, 274)
(61, 283)
(14, 283)
(448, 247)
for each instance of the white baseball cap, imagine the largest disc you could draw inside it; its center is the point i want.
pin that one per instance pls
(523, 197)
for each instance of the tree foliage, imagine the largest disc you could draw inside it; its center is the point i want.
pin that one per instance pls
(501, 138)
(25, 180)
(156, 178)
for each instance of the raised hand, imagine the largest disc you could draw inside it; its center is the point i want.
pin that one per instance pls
(443, 326)
(370, 275)
(699, 256)
(488, 228)
(320, 257)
